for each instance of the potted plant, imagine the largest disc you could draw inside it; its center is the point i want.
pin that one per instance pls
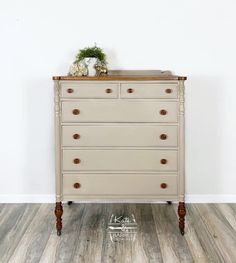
(91, 56)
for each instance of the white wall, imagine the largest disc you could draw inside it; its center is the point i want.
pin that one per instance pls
(41, 38)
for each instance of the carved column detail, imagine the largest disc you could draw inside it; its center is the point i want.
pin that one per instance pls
(181, 183)
(57, 98)
(181, 213)
(57, 114)
(181, 97)
(58, 214)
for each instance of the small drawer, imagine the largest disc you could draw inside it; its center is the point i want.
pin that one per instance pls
(119, 184)
(85, 90)
(120, 135)
(149, 91)
(119, 111)
(119, 160)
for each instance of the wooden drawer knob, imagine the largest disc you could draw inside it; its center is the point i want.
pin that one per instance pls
(163, 161)
(130, 90)
(70, 90)
(163, 185)
(168, 91)
(76, 112)
(163, 112)
(76, 136)
(163, 136)
(77, 185)
(76, 161)
(108, 90)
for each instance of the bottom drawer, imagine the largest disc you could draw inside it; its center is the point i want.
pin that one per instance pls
(119, 184)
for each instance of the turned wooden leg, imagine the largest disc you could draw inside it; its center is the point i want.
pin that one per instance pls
(181, 213)
(58, 214)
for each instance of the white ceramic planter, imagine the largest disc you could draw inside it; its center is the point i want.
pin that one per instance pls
(90, 63)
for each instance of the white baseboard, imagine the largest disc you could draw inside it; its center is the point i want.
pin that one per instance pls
(27, 198)
(51, 199)
(210, 198)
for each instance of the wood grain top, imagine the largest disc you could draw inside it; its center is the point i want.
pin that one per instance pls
(128, 75)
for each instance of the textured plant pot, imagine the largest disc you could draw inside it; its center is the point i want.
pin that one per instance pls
(90, 63)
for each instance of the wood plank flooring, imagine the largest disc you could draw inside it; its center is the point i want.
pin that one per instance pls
(27, 234)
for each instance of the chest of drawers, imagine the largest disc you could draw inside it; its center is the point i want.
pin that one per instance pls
(120, 137)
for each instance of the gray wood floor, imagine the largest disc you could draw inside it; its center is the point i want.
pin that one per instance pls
(27, 234)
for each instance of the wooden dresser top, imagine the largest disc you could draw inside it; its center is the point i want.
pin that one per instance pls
(128, 75)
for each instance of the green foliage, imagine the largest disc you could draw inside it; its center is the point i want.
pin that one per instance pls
(93, 52)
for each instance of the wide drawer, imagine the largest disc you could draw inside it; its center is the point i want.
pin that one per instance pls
(104, 135)
(85, 90)
(119, 184)
(149, 90)
(119, 111)
(119, 160)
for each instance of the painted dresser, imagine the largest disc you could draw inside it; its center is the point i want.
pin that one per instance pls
(120, 137)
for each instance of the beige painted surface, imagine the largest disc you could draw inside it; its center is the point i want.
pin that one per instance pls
(181, 183)
(119, 111)
(120, 160)
(57, 132)
(119, 184)
(89, 90)
(120, 135)
(149, 90)
(119, 146)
